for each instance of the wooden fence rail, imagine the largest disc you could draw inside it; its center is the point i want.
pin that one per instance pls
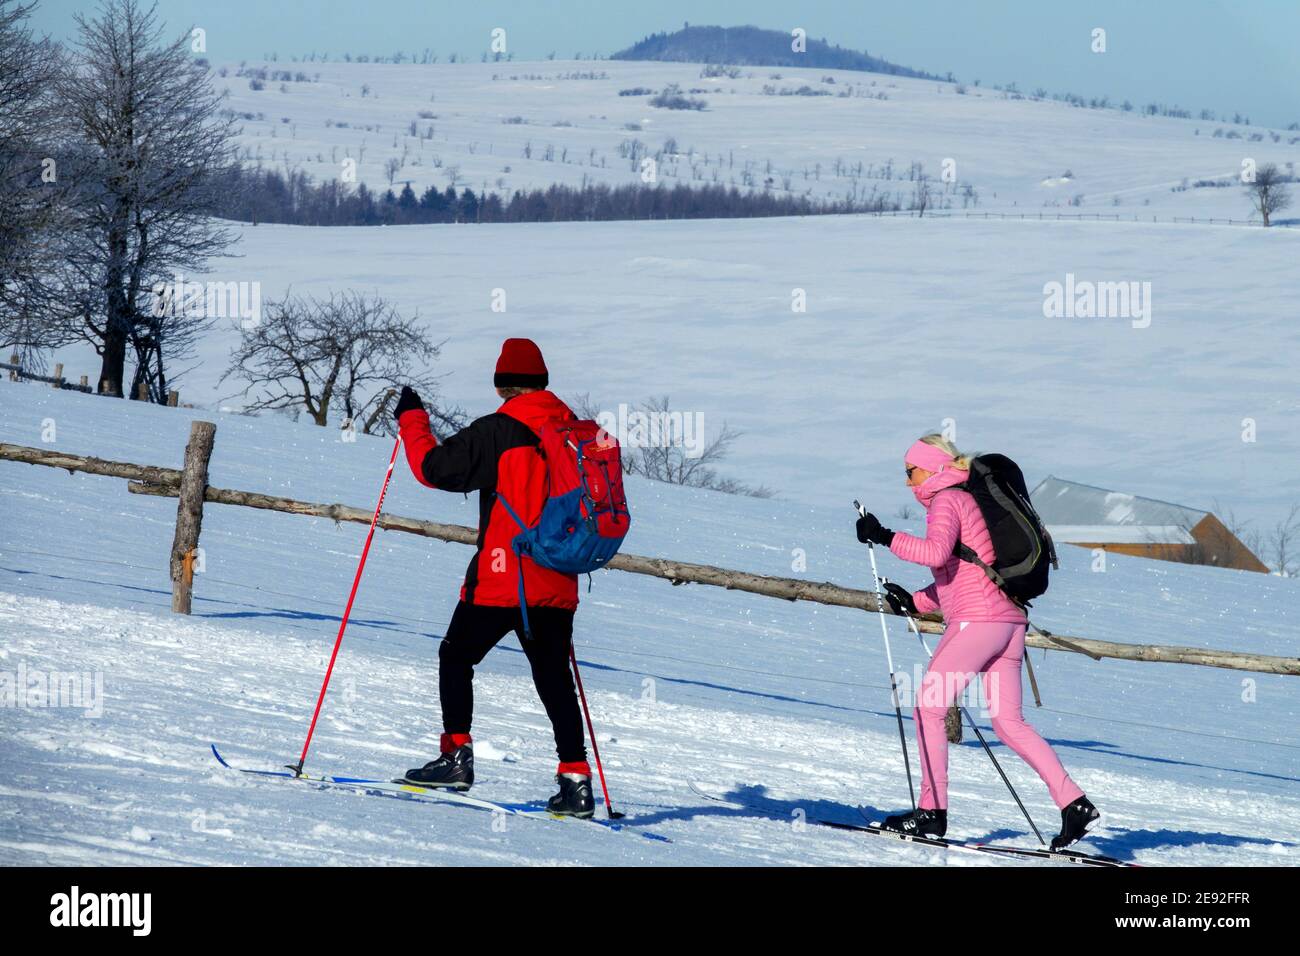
(167, 482)
(18, 374)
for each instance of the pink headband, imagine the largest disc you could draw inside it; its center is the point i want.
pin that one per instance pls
(928, 457)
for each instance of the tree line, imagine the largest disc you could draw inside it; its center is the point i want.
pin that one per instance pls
(269, 195)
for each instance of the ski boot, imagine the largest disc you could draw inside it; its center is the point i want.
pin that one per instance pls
(575, 798)
(1076, 820)
(923, 823)
(453, 770)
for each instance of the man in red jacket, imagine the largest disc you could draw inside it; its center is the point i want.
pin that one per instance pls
(498, 456)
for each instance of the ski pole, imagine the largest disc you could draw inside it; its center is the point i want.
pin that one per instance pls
(356, 581)
(973, 726)
(889, 659)
(591, 732)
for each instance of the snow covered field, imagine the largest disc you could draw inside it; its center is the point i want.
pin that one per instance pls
(1192, 765)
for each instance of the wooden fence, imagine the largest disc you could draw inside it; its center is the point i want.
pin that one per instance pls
(1047, 215)
(189, 485)
(19, 374)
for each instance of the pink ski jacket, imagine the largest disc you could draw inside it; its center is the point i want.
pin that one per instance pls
(961, 590)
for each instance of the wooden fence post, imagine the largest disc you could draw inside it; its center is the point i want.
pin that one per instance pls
(58, 375)
(13, 372)
(189, 513)
(173, 399)
(85, 381)
(143, 392)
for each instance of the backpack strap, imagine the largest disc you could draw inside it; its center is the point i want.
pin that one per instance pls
(519, 565)
(511, 511)
(966, 554)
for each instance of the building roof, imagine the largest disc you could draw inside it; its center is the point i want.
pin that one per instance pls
(1120, 534)
(1075, 512)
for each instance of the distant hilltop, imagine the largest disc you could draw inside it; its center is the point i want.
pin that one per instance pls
(752, 46)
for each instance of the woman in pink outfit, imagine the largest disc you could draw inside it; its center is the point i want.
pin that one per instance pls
(985, 635)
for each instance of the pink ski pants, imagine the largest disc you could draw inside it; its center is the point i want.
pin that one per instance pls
(994, 650)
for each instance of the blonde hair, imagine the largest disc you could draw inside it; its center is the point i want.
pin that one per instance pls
(514, 391)
(959, 459)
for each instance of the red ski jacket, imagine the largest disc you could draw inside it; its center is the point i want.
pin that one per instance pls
(496, 455)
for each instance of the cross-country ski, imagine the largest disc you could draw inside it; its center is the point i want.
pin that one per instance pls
(398, 789)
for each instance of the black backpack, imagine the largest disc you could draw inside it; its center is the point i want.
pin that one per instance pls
(1022, 548)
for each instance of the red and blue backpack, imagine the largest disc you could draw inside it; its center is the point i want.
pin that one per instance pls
(585, 518)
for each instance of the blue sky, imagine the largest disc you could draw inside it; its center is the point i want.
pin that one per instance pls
(1224, 55)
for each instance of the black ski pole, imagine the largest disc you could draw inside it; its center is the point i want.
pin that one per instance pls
(987, 749)
(889, 659)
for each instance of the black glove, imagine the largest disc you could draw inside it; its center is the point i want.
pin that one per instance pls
(870, 529)
(408, 400)
(899, 599)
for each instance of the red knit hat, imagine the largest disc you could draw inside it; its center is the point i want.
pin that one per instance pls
(520, 365)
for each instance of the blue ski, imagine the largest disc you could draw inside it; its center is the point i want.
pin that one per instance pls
(405, 791)
(866, 826)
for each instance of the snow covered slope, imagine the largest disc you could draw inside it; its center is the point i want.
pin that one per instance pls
(1193, 765)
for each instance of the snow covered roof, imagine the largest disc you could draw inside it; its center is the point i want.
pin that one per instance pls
(1063, 504)
(1119, 534)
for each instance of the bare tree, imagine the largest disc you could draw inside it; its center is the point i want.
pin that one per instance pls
(1268, 193)
(1218, 544)
(346, 353)
(32, 219)
(151, 142)
(1284, 544)
(922, 192)
(665, 457)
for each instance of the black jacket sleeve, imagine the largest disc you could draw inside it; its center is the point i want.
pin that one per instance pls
(464, 462)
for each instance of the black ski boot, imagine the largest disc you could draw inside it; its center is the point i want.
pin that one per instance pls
(1076, 820)
(925, 823)
(575, 798)
(451, 771)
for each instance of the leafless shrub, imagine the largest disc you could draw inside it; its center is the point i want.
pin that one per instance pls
(673, 462)
(1284, 544)
(347, 353)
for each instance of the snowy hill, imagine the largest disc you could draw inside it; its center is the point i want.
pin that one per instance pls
(752, 46)
(507, 126)
(1192, 765)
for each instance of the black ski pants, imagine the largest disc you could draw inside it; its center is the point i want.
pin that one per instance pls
(475, 630)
